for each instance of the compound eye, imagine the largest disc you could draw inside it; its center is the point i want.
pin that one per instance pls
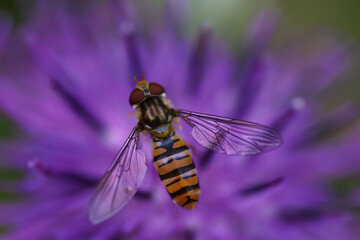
(136, 96)
(156, 89)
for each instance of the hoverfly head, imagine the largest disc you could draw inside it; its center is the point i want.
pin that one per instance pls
(144, 89)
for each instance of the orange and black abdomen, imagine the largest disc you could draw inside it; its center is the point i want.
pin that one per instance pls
(177, 171)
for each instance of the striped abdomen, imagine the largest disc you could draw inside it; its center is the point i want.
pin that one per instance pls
(176, 168)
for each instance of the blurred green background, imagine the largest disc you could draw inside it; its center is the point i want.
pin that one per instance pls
(342, 16)
(232, 16)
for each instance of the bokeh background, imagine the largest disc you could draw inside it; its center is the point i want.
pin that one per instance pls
(302, 29)
(337, 17)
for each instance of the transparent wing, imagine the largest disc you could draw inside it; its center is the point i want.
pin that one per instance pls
(230, 136)
(120, 182)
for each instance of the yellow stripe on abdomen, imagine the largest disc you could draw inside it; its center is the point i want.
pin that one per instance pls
(177, 171)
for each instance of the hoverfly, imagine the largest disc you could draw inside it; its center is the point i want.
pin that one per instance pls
(172, 157)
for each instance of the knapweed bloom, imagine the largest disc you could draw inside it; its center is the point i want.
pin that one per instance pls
(66, 78)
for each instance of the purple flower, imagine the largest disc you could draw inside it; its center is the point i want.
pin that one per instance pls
(66, 79)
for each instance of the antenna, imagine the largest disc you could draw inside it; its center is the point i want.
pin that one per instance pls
(135, 79)
(143, 76)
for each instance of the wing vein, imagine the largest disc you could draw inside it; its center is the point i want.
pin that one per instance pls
(230, 136)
